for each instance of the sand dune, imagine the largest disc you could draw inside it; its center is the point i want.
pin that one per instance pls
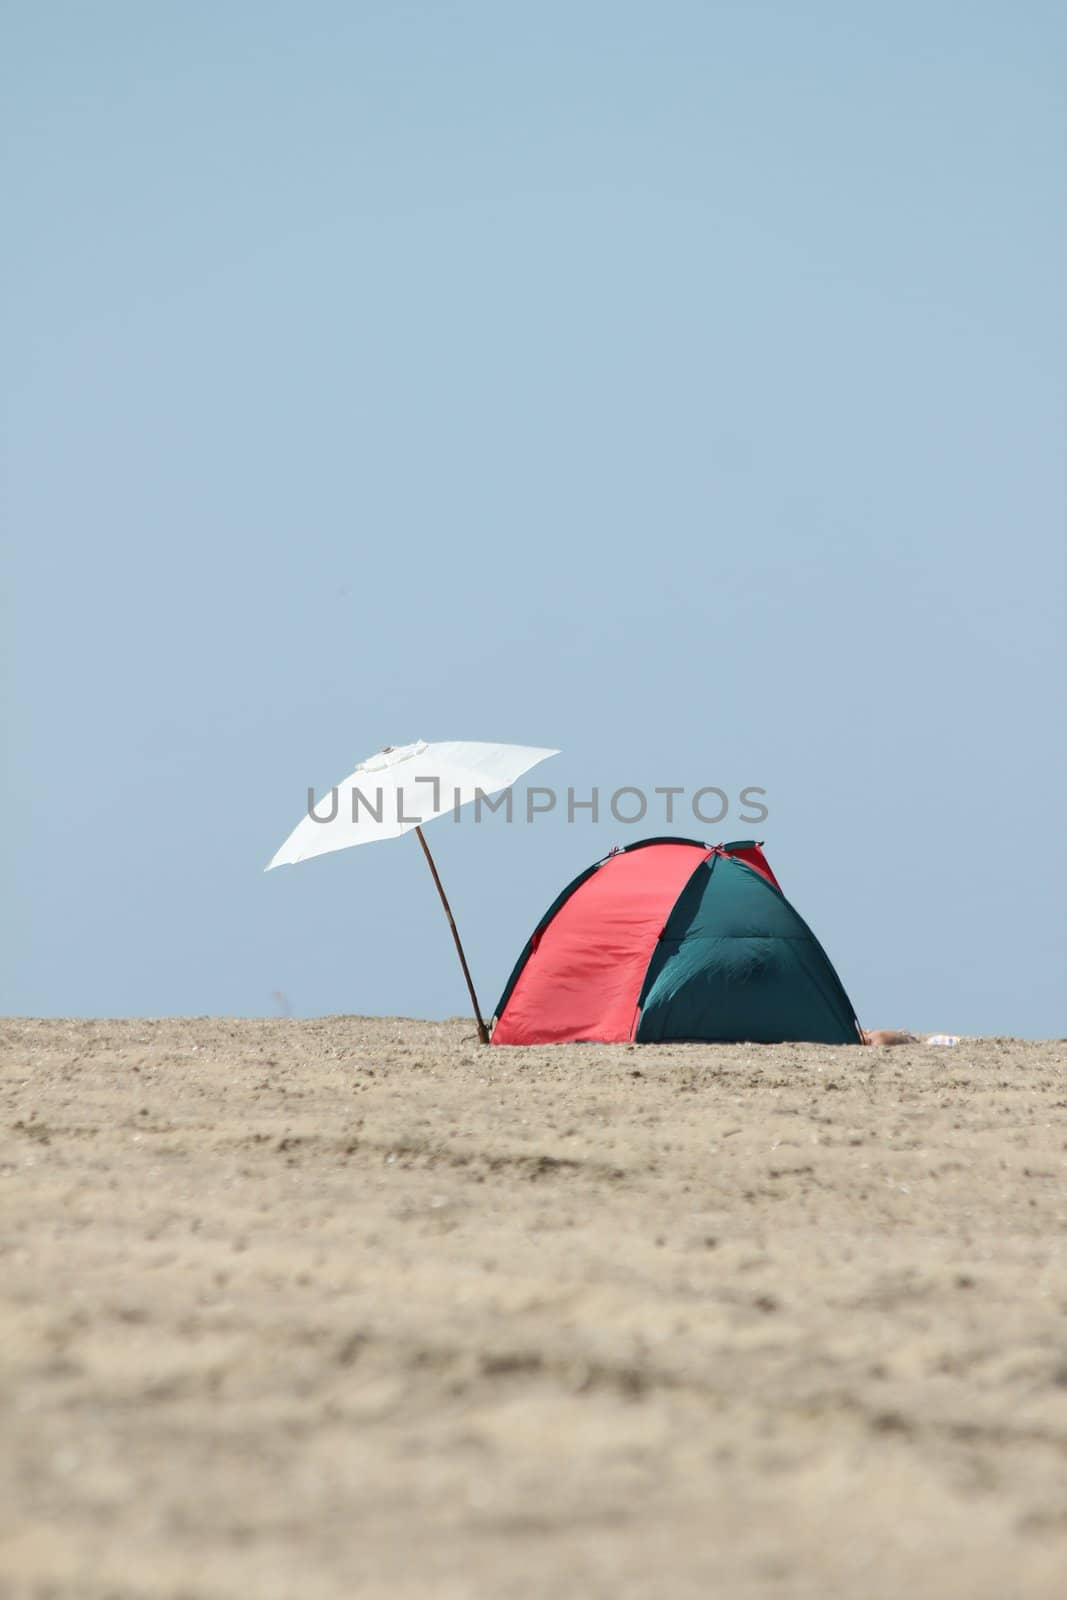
(355, 1307)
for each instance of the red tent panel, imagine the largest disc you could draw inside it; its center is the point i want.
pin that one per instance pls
(583, 979)
(753, 856)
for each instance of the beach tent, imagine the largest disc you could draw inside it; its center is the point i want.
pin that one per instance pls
(673, 939)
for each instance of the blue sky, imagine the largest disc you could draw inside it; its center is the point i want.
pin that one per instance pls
(680, 385)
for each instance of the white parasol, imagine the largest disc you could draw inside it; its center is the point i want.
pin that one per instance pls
(399, 789)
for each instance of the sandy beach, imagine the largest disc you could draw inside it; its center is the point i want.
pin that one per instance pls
(322, 1309)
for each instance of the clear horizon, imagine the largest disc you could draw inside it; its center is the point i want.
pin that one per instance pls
(679, 387)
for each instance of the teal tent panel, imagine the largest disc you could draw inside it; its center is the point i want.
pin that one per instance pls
(735, 961)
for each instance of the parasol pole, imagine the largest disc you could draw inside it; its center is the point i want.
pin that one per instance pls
(483, 1031)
